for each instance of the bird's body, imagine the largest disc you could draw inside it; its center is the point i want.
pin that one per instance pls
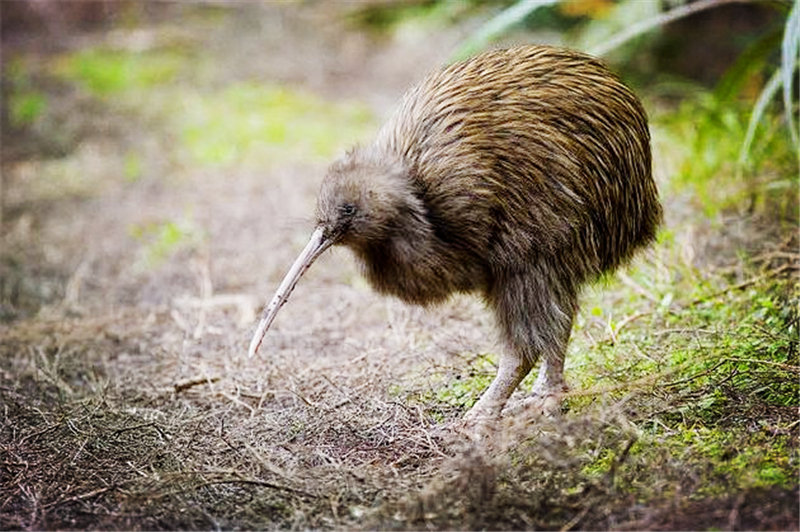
(520, 175)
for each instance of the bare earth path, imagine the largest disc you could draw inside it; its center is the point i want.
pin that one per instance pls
(149, 344)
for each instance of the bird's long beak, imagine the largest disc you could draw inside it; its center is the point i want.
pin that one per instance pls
(316, 245)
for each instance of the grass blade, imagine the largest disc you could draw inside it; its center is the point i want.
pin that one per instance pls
(498, 25)
(649, 24)
(767, 94)
(790, 55)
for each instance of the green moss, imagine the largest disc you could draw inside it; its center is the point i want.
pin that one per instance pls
(463, 390)
(732, 460)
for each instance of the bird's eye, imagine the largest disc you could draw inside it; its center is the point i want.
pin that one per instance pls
(348, 209)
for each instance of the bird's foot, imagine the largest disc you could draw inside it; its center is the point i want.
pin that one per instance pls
(539, 404)
(477, 424)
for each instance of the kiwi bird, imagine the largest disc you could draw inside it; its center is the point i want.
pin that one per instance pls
(519, 175)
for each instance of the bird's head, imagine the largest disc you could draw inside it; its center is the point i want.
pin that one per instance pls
(362, 201)
(363, 198)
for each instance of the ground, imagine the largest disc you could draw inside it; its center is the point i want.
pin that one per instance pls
(159, 177)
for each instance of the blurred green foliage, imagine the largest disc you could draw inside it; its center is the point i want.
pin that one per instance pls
(705, 136)
(106, 72)
(261, 123)
(378, 17)
(245, 123)
(25, 103)
(25, 107)
(160, 240)
(621, 28)
(132, 166)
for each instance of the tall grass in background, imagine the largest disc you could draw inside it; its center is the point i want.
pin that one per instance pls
(626, 20)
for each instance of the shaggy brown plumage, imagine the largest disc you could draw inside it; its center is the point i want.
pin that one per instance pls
(519, 174)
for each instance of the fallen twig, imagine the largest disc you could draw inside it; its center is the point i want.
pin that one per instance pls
(787, 367)
(745, 284)
(142, 426)
(81, 497)
(182, 386)
(613, 332)
(696, 376)
(261, 483)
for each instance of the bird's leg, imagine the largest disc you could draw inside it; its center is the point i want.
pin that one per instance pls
(511, 371)
(535, 310)
(545, 397)
(551, 378)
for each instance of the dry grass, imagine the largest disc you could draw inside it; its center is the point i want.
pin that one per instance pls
(84, 449)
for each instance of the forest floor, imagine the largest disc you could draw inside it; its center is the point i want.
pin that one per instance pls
(158, 180)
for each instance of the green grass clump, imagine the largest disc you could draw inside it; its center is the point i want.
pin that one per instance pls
(107, 72)
(721, 403)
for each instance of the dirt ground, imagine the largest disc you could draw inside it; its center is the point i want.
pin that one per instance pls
(128, 401)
